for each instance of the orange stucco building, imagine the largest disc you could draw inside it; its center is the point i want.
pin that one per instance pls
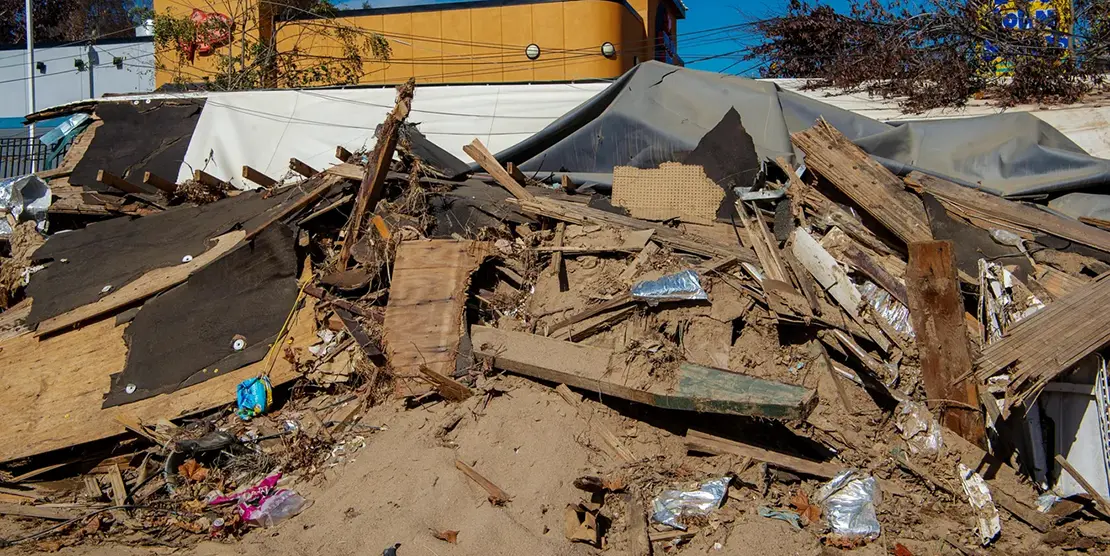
(454, 41)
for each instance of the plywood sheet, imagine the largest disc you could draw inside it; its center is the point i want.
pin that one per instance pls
(423, 321)
(671, 191)
(53, 389)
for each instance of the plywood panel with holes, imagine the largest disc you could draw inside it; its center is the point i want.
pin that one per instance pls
(671, 191)
(53, 389)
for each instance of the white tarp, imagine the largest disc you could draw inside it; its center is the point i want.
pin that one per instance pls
(264, 129)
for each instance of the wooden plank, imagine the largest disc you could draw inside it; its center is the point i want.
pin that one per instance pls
(1057, 282)
(847, 250)
(111, 180)
(636, 527)
(486, 160)
(937, 313)
(515, 172)
(301, 168)
(342, 154)
(497, 497)
(57, 385)
(200, 176)
(153, 179)
(424, 315)
(447, 387)
(13, 321)
(41, 512)
(1100, 500)
(827, 272)
(373, 178)
(347, 171)
(119, 489)
(616, 447)
(702, 389)
(871, 186)
(697, 441)
(1051, 341)
(557, 258)
(258, 177)
(147, 285)
(983, 204)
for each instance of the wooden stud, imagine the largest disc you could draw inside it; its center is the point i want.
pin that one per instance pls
(373, 181)
(489, 163)
(342, 154)
(308, 198)
(111, 180)
(497, 497)
(568, 186)
(937, 314)
(557, 257)
(697, 441)
(1100, 500)
(447, 387)
(258, 177)
(205, 178)
(515, 172)
(301, 168)
(153, 179)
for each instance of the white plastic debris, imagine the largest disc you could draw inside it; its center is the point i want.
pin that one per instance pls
(989, 524)
(671, 505)
(918, 428)
(25, 198)
(680, 286)
(848, 502)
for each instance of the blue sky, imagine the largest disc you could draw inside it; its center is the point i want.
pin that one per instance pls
(696, 40)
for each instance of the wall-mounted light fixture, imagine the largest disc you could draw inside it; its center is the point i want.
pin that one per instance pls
(41, 66)
(79, 64)
(117, 61)
(532, 51)
(608, 50)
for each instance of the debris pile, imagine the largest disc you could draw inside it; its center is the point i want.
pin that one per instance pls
(831, 352)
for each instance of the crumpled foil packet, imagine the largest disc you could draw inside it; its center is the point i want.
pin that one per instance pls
(26, 198)
(918, 428)
(671, 505)
(848, 501)
(680, 286)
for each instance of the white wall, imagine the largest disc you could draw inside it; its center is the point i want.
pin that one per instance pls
(61, 82)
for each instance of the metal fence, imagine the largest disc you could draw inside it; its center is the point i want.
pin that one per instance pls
(16, 154)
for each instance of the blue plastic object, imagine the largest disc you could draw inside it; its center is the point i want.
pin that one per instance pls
(254, 397)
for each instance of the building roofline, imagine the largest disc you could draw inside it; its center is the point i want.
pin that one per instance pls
(56, 44)
(459, 5)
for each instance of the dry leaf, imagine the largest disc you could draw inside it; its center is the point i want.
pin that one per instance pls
(901, 550)
(192, 471)
(92, 526)
(448, 536)
(810, 512)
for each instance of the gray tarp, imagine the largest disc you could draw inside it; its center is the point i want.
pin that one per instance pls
(656, 113)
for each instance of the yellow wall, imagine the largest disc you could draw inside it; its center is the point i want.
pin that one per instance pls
(485, 44)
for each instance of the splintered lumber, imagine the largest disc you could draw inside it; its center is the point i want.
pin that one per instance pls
(577, 213)
(373, 179)
(991, 207)
(147, 285)
(619, 450)
(1042, 346)
(258, 177)
(155, 180)
(697, 441)
(56, 385)
(636, 528)
(447, 387)
(200, 176)
(301, 168)
(111, 180)
(937, 313)
(292, 207)
(486, 160)
(497, 497)
(702, 389)
(871, 186)
(424, 317)
(515, 172)
(827, 272)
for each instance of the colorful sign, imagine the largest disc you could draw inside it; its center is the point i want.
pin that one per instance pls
(1055, 15)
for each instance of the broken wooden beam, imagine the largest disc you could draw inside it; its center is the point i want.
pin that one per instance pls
(1099, 499)
(301, 168)
(348, 171)
(111, 180)
(447, 387)
(871, 186)
(636, 528)
(515, 172)
(202, 177)
(699, 388)
(372, 187)
(497, 497)
(489, 163)
(342, 154)
(697, 441)
(557, 258)
(319, 293)
(258, 177)
(152, 179)
(293, 207)
(937, 314)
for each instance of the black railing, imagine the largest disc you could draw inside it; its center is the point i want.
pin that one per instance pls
(16, 154)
